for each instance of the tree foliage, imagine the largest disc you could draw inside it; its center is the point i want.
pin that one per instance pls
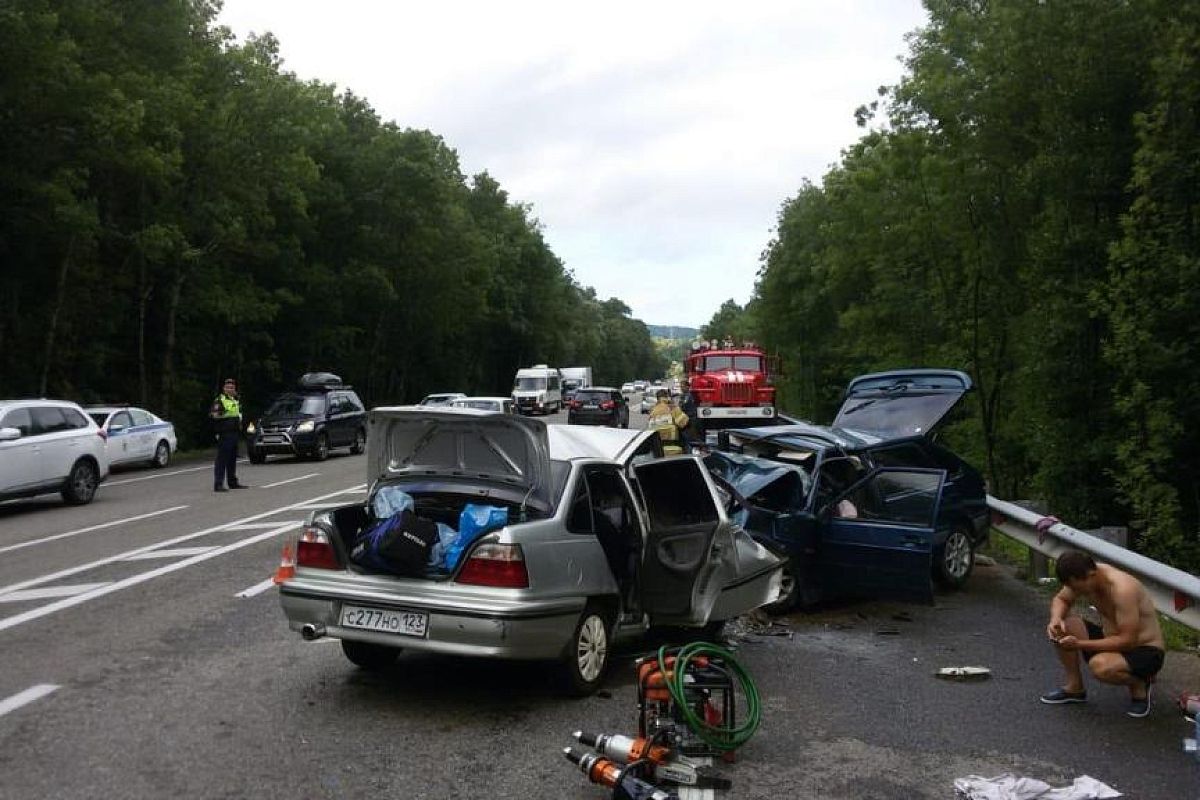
(175, 207)
(1023, 206)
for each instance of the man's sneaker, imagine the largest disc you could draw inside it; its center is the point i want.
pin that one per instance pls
(220, 489)
(1060, 696)
(1140, 708)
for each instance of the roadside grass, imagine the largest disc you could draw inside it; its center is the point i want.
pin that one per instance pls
(1009, 551)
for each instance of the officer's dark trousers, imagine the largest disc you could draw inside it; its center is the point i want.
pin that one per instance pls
(226, 464)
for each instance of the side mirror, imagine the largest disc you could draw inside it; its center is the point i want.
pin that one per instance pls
(9, 434)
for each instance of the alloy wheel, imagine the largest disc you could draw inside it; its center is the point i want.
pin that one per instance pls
(591, 651)
(957, 555)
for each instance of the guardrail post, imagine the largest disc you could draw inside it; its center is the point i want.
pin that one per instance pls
(1039, 563)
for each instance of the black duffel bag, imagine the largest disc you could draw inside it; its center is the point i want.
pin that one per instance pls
(400, 544)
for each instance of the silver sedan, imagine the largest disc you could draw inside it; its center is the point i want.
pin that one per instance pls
(603, 539)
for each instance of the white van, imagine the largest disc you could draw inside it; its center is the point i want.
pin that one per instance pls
(537, 390)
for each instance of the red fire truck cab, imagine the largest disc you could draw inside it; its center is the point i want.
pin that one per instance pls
(732, 387)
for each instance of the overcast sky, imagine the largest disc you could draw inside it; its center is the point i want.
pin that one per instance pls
(654, 141)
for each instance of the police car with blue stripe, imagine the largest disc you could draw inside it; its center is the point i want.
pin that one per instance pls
(134, 435)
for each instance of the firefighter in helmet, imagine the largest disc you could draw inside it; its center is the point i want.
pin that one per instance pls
(669, 421)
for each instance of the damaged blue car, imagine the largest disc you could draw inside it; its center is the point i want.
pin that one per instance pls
(870, 506)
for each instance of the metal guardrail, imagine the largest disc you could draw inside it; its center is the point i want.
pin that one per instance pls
(1175, 593)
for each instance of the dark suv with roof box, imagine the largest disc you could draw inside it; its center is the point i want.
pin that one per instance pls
(320, 414)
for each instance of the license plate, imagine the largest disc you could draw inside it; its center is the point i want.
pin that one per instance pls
(402, 623)
(590, 405)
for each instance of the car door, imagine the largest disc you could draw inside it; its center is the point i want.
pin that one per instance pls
(876, 537)
(59, 441)
(20, 459)
(145, 434)
(683, 561)
(123, 442)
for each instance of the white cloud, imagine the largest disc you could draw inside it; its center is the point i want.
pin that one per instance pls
(649, 138)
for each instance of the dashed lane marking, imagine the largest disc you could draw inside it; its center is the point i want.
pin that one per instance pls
(257, 588)
(50, 591)
(26, 697)
(116, 586)
(158, 475)
(88, 529)
(290, 480)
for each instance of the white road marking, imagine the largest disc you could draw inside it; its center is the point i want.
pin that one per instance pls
(88, 529)
(261, 526)
(63, 573)
(164, 474)
(176, 552)
(26, 697)
(312, 507)
(67, 602)
(290, 480)
(50, 591)
(257, 588)
(362, 487)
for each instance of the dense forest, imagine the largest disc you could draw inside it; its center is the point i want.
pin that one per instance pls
(175, 207)
(1023, 205)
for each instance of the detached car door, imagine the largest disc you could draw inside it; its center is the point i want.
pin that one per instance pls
(877, 537)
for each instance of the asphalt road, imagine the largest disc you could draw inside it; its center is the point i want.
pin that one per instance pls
(141, 656)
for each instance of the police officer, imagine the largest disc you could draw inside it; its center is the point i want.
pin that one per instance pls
(226, 416)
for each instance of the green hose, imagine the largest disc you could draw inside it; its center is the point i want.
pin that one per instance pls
(717, 736)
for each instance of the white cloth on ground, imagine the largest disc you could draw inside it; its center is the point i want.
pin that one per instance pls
(1014, 787)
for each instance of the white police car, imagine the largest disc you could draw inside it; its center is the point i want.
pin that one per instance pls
(134, 435)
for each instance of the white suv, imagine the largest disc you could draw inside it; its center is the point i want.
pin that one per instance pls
(50, 446)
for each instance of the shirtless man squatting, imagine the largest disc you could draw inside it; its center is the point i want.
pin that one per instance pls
(1128, 650)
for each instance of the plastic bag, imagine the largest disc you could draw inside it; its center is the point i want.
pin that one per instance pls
(473, 522)
(389, 501)
(446, 537)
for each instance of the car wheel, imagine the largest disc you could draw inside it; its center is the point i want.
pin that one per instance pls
(955, 559)
(321, 452)
(257, 456)
(587, 655)
(162, 455)
(360, 442)
(369, 656)
(81, 483)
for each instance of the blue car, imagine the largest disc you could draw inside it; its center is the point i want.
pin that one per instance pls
(869, 506)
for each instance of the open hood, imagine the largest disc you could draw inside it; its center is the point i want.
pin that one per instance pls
(907, 402)
(460, 443)
(586, 441)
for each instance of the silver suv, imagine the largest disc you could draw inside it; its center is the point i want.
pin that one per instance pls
(50, 446)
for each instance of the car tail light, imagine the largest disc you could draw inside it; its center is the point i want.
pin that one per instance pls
(315, 550)
(492, 564)
(608, 405)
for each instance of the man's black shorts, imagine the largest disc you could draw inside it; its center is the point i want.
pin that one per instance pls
(1144, 661)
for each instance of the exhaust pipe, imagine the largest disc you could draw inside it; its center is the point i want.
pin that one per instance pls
(310, 632)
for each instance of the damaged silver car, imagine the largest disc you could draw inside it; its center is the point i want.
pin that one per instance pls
(604, 539)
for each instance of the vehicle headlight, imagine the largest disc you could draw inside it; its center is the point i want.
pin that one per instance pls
(306, 426)
(250, 428)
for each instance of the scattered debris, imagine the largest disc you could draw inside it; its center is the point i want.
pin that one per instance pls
(748, 627)
(1013, 787)
(984, 561)
(964, 673)
(902, 616)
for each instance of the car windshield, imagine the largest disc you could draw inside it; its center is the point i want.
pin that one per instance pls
(530, 384)
(290, 405)
(740, 363)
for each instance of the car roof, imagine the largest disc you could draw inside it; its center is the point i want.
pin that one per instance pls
(41, 401)
(597, 388)
(491, 399)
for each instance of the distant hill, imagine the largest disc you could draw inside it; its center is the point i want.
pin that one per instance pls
(673, 332)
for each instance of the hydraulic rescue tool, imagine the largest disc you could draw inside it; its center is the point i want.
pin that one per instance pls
(664, 764)
(627, 781)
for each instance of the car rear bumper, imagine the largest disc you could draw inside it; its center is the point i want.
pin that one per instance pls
(586, 418)
(534, 630)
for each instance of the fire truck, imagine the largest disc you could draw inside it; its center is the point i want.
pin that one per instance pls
(732, 387)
